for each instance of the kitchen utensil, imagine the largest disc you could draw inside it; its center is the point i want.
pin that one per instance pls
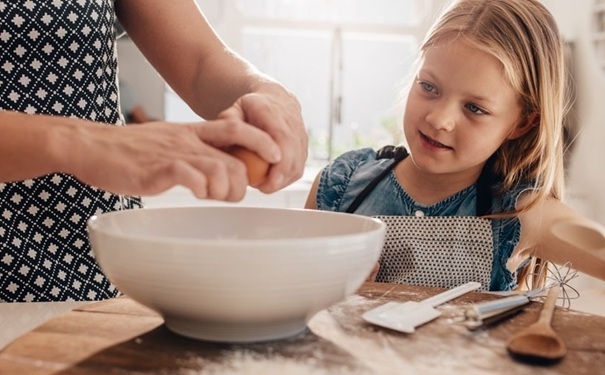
(539, 340)
(232, 273)
(406, 316)
(483, 314)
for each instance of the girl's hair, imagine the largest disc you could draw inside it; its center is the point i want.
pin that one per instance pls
(524, 37)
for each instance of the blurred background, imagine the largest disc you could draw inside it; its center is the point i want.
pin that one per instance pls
(348, 62)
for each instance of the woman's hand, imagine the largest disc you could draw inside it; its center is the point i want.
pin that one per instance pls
(278, 113)
(150, 158)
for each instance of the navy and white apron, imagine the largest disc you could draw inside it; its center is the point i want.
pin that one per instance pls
(56, 58)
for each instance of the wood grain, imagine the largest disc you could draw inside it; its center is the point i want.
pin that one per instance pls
(119, 336)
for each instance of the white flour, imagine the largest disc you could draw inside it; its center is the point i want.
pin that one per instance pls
(340, 342)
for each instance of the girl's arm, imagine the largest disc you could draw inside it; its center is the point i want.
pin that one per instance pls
(177, 40)
(311, 202)
(555, 232)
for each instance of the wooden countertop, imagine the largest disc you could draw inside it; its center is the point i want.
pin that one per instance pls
(120, 336)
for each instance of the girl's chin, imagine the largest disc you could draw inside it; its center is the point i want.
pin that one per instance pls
(428, 165)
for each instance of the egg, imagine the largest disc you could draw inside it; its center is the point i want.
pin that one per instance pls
(257, 168)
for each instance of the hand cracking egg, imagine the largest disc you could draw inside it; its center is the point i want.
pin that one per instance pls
(257, 168)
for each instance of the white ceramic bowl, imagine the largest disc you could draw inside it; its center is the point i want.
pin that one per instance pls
(236, 274)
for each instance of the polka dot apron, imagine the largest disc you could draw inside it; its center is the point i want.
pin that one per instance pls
(443, 251)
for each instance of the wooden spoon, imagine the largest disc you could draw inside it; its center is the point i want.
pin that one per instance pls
(539, 341)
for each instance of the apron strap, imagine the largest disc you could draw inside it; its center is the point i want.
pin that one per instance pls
(391, 152)
(398, 153)
(484, 189)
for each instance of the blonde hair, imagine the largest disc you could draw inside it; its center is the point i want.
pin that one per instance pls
(524, 37)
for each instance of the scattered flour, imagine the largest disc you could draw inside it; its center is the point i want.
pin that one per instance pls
(338, 341)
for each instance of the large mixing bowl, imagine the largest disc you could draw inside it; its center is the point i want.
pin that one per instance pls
(236, 274)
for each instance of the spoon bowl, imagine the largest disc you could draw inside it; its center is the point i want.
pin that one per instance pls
(539, 341)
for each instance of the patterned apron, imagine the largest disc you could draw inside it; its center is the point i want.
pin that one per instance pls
(443, 251)
(56, 58)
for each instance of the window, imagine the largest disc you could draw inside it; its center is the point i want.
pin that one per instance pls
(345, 60)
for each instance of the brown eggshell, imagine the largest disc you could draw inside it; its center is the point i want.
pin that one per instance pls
(256, 167)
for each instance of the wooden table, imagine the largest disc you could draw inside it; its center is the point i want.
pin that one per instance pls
(120, 336)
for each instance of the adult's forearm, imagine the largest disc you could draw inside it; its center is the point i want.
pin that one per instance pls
(32, 145)
(220, 79)
(177, 40)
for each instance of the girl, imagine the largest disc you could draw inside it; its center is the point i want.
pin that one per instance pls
(479, 194)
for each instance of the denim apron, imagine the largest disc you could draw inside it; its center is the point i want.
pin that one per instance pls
(443, 251)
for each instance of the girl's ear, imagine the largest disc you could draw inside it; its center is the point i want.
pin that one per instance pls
(525, 125)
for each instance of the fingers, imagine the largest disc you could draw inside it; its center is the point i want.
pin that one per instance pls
(148, 159)
(210, 178)
(214, 175)
(280, 117)
(230, 131)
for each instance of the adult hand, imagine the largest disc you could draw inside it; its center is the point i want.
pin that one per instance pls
(150, 158)
(277, 112)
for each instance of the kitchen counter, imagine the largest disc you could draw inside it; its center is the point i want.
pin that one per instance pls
(120, 336)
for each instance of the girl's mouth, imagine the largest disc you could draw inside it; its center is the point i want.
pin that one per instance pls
(434, 143)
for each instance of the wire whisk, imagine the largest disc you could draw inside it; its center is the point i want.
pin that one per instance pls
(485, 313)
(556, 275)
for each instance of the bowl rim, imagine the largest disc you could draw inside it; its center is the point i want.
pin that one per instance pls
(93, 225)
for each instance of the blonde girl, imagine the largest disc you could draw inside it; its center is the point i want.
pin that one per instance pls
(477, 196)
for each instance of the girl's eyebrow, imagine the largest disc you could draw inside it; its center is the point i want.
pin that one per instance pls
(425, 72)
(480, 98)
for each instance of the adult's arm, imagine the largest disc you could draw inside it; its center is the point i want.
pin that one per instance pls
(144, 159)
(554, 231)
(216, 83)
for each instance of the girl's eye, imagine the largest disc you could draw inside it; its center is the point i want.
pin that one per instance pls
(475, 110)
(426, 86)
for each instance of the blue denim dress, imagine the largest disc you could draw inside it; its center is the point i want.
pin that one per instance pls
(347, 176)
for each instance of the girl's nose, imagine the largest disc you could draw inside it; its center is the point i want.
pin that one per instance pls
(441, 118)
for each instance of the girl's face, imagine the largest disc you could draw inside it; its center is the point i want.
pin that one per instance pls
(459, 111)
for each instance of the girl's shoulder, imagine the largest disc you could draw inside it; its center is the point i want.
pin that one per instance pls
(346, 174)
(352, 160)
(507, 201)
(366, 158)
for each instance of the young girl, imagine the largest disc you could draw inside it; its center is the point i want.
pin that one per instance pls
(479, 194)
